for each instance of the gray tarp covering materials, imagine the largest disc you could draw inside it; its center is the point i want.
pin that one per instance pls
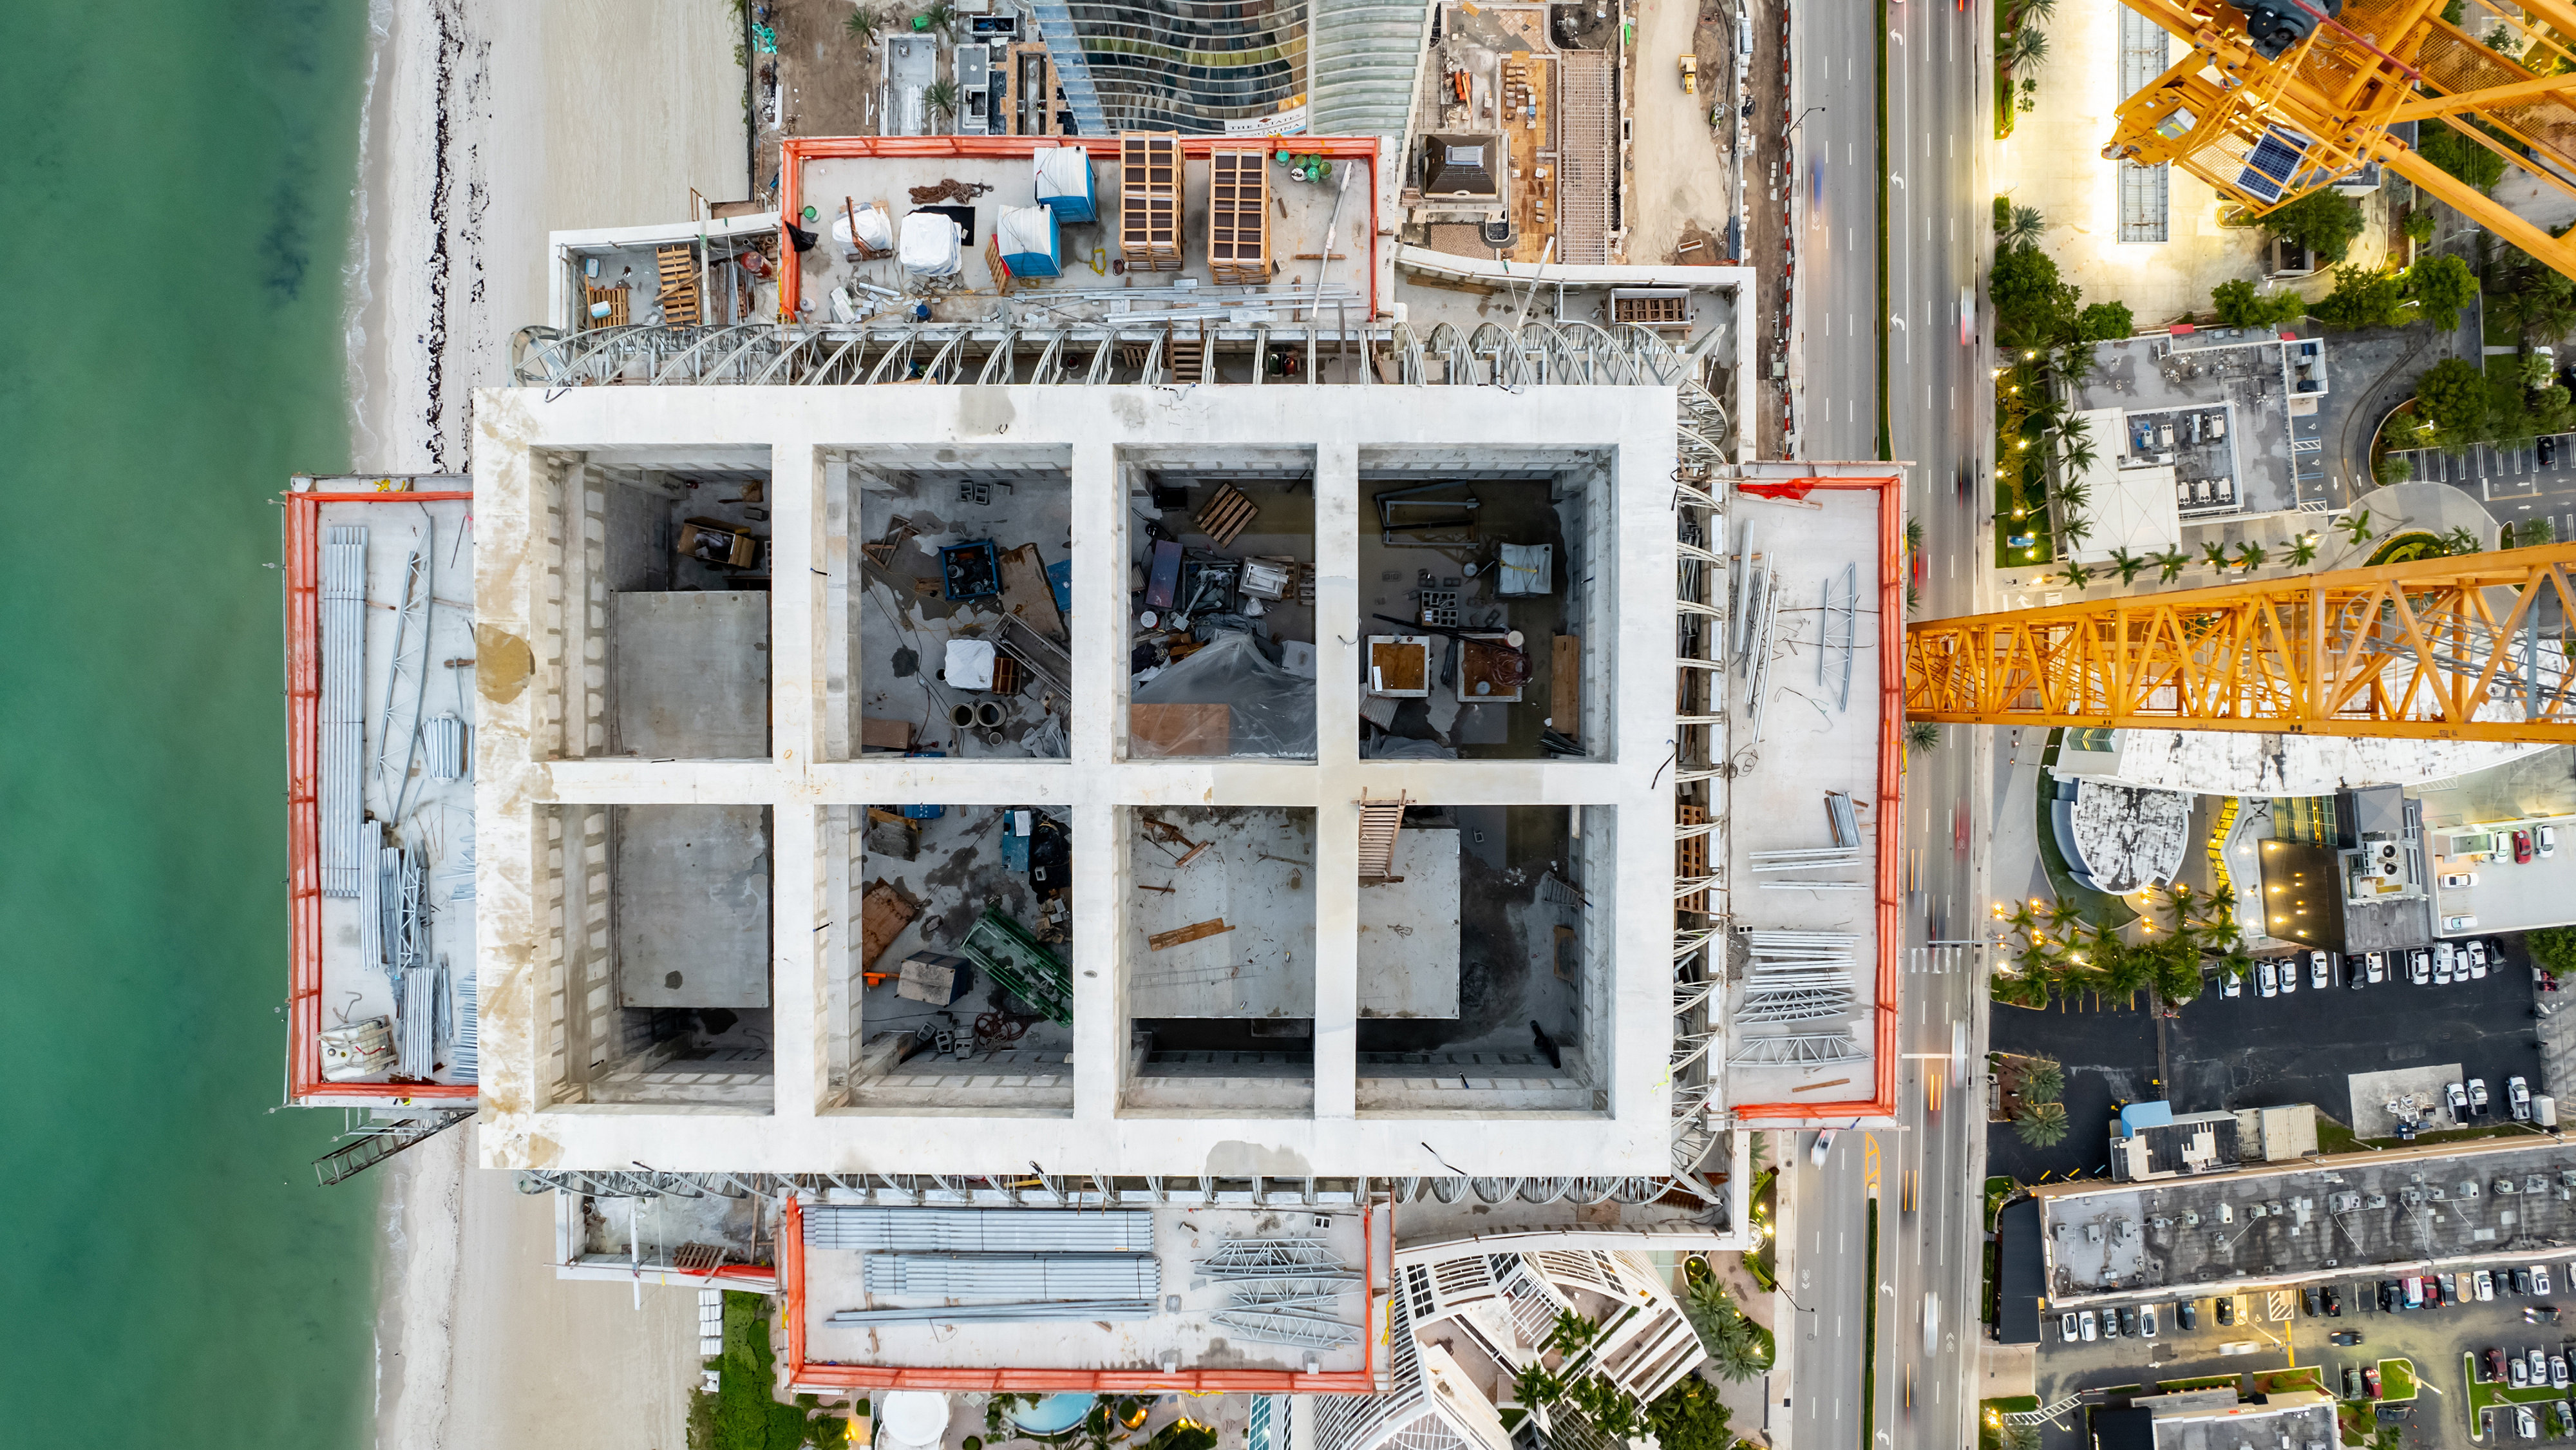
(1272, 711)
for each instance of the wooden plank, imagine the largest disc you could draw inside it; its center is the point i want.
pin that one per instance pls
(1026, 593)
(876, 734)
(1195, 931)
(1161, 730)
(1565, 685)
(884, 911)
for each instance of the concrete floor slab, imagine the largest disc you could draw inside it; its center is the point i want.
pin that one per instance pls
(692, 906)
(1409, 930)
(1255, 876)
(692, 673)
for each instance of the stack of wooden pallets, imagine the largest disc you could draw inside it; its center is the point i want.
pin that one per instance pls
(1238, 245)
(1149, 200)
(679, 276)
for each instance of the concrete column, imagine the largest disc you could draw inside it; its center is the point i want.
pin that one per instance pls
(1337, 723)
(836, 642)
(796, 964)
(796, 595)
(1101, 882)
(1099, 686)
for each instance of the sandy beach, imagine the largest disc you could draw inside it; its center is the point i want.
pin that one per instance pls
(486, 125)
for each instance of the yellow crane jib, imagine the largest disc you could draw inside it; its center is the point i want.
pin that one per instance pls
(2280, 97)
(2469, 648)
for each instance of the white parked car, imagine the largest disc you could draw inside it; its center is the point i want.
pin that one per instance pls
(2558, 1371)
(2459, 880)
(2477, 954)
(2540, 1278)
(2548, 840)
(2320, 971)
(2232, 986)
(2526, 1424)
(2085, 1327)
(2459, 1097)
(2478, 1096)
(2268, 977)
(2486, 1286)
(2419, 966)
(2517, 1096)
(2147, 1321)
(2443, 957)
(2066, 1329)
(2517, 1372)
(2289, 974)
(2375, 967)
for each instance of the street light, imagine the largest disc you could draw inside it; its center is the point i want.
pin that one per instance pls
(1802, 120)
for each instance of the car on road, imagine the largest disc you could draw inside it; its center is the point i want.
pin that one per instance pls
(2187, 1314)
(2146, 1323)
(2477, 1097)
(2459, 1100)
(2311, 1302)
(1824, 1145)
(2370, 1379)
(2486, 1286)
(2346, 1336)
(2268, 977)
(2459, 881)
(2521, 847)
(2320, 971)
(2334, 1301)
(2494, 1361)
(2539, 1314)
(2066, 1329)
(2518, 1373)
(2540, 1278)
(2226, 1308)
(2375, 967)
(2084, 1327)
(2419, 966)
(2517, 1096)
(2477, 954)
(2525, 1423)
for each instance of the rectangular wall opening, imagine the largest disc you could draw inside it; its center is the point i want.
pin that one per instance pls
(664, 929)
(955, 993)
(1480, 975)
(1219, 958)
(960, 602)
(1221, 622)
(1484, 577)
(675, 568)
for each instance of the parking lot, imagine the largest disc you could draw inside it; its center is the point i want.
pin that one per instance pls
(2431, 1339)
(2304, 1047)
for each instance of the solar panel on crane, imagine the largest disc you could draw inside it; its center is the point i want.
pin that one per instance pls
(2274, 161)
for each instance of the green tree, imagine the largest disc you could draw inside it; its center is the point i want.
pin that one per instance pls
(2461, 541)
(2539, 300)
(2032, 306)
(1921, 735)
(2214, 555)
(2018, 1437)
(2105, 321)
(2043, 1080)
(939, 14)
(863, 24)
(2239, 304)
(2018, 226)
(2129, 565)
(2452, 396)
(2170, 564)
(2249, 556)
(2441, 286)
(2041, 1125)
(941, 96)
(2303, 551)
(2449, 149)
(2394, 468)
(2324, 221)
(2418, 226)
(2554, 947)
(2030, 10)
(2027, 50)
(2077, 575)
(1690, 1416)
(2363, 297)
(2356, 524)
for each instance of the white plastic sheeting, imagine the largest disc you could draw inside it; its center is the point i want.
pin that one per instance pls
(1027, 232)
(1525, 569)
(969, 664)
(1064, 180)
(932, 245)
(876, 229)
(1271, 712)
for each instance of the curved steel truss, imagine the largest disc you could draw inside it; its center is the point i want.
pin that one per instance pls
(1042, 1190)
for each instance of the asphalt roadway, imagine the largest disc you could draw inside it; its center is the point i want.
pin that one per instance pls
(1940, 236)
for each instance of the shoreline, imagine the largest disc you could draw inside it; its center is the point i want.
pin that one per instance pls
(484, 125)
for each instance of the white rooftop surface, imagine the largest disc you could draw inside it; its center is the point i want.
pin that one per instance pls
(2232, 762)
(2507, 896)
(524, 451)
(2133, 508)
(439, 816)
(835, 1280)
(1808, 749)
(2130, 837)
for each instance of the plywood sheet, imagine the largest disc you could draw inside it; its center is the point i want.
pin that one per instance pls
(1565, 685)
(884, 911)
(1160, 730)
(1026, 595)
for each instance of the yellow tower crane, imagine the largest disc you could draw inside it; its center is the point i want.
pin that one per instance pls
(2281, 97)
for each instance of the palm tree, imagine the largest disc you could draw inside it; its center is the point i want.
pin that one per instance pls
(2172, 562)
(1921, 735)
(863, 24)
(2461, 541)
(2128, 564)
(2022, 228)
(2214, 555)
(2074, 494)
(2078, 458)
(2041, 1125)
(2303, 551)
(2077, 575)
(941, 96)
(940, 14)
(2249, 556)
(2076, 529)
(2018, 1437)
(2043, 1080)
(2357, 524)
(1739, 1354)
(2027, 50)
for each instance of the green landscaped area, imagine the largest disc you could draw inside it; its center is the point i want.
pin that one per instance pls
(2305, 1377)
(1991, 1412)
(2396, 1380)
(2483, 1393)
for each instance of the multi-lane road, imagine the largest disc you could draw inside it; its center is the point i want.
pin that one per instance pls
(1939, 239)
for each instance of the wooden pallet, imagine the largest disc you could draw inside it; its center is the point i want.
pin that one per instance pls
(1690, 857)
(1227, 514)
(1149, 200)
(679, 296)
(1380, 823)
(615, 297)
(1187, 358)
(1238, 245)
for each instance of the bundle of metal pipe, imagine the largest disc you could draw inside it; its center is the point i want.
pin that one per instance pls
(1113, 1310)
(416, 1014)
(1019, 1276)
(465, 1062)
(342, 717)
(978, 1230)
(442, 743)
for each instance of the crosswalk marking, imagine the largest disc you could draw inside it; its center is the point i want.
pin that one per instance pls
(1936, 961)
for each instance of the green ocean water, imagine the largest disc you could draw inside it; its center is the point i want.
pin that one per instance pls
(175, 181)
